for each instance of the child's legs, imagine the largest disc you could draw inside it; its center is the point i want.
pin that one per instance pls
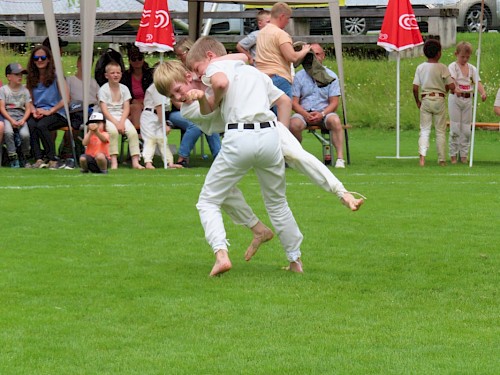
(273, 188)
(221, 178)
(8, 134)
(465, 128)
(455, 113)
(133, 138)
(308, 164)
(113, 138)
(425, 128)
(149, 150)
(440, 125)
(160, 143)
(24, 132)
(101, 161)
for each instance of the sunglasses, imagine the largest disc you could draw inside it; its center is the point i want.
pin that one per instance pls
(37, 58)
(134, 59)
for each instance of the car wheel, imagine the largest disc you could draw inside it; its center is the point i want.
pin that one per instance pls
(472, 19)
(354, 26)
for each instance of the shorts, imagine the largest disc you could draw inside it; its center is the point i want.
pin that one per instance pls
(92, 164)
(322, 124)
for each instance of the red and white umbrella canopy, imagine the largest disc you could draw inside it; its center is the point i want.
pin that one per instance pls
(156, 33)
(400, 28)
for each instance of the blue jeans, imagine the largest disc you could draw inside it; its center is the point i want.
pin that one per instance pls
(191, 135)
(284, 86)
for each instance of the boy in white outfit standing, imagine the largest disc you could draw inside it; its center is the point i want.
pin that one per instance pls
(152, 128)
(460, 101)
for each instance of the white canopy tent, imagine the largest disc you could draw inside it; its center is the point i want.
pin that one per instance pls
(195, 9)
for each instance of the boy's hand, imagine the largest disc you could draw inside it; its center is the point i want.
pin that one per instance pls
(120, 127)
(194, 94)
(483, 97)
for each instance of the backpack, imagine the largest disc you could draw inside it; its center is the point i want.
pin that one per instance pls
(107, 56)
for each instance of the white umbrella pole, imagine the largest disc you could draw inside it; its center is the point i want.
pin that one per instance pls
(397, 103)
(476, 84)
(165, 163)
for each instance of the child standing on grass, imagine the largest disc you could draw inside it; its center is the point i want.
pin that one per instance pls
(152, 132)
(460, 101)
(15, 104)
(114, 100)
(433, 79)
(96, 158)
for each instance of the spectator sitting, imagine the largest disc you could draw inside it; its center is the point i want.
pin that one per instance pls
(248, 45)
(47, 112)
(314, 105)
(114, 101)
(137, 78)
(15, 108)
(152, 129)
(96, 157)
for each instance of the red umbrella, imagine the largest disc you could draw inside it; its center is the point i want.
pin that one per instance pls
(156, 33)
(400, 28)
(399, 32)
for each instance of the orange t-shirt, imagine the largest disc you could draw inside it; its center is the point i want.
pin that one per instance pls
(269, 59)
(96, 145)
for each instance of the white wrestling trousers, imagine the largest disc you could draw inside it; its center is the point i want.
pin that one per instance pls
(241, 151)
(307, 164)
(460, 111)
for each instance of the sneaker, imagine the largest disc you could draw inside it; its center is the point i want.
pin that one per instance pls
(14, 163)
(184, 163)
(70, 164)
(28, 165)
(39, 164)
(340, 163)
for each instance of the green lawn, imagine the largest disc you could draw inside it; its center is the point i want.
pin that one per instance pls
(109, 274)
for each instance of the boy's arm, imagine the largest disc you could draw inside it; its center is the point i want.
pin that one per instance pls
(482, 91)
(415, 95)
(126, 111)
(234, 57)
(293, 56)
(220, 84)
(106, 113)
(244, 51)
(450, 87)
(4, 113)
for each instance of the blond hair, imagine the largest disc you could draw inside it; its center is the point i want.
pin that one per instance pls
(263, 13)
(112, 64)
(199, 50)
(463, 47)
(168, 73)
(281, 8)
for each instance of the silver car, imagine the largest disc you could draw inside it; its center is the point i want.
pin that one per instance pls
(469, 13)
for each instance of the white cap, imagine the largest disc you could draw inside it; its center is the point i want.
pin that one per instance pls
(95, 117)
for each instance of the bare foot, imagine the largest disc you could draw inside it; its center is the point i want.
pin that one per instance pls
(422, 160)
(175, 166)
(351, 203)
(261, 234)
(150, 165)
(442, 163)
(137, 166)
(114, 162)
(463, 160)
(222, 263)
(295, 267)
(453, 159)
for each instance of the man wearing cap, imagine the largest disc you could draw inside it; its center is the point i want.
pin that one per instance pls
(96, 158)
(15, 108)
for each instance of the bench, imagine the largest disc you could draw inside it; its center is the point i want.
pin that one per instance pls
(323, 136)
(485, 125)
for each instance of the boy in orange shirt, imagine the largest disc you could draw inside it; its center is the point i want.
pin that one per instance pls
(96, 158)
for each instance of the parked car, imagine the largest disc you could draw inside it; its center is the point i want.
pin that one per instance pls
(469, 12)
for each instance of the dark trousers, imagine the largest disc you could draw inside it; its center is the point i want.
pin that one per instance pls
(40, 131)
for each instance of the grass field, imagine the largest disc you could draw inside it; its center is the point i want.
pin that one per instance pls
(109, 274)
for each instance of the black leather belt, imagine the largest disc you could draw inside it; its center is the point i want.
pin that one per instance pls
(464, 94)
(250, 126)
(434, 94)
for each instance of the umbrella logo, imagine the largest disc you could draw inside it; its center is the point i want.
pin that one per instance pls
(146, 14)
(162, 19)
(408, 22)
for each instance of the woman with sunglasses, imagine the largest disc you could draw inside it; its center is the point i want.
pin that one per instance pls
(137, 78)
(47, 106)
